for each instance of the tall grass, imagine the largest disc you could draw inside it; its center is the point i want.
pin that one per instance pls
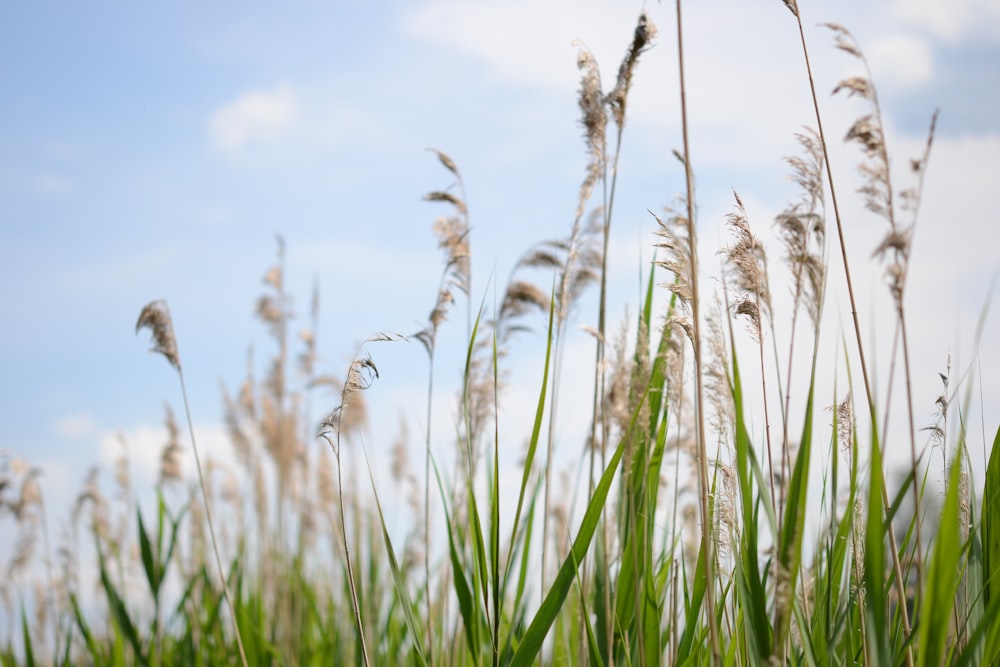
(727, 567)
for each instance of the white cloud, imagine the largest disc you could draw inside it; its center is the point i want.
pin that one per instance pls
(257, 115)
(523, 41)
(902, 58)
(75, 426)
(952, 21)
(144, 445)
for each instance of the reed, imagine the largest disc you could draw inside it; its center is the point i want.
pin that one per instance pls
(679, 532)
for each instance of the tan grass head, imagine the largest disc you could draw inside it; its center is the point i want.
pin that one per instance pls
(156, 317)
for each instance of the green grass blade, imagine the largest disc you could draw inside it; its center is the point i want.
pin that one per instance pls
(790, 540)
(876, 608)
(463, 591)
(942, 584)
(991, 549)
(88, 636)
(149, 561)
(399, 579)
(536, 430)
(29, 651)
(754, 597)
(119, 611)
(531, 644)
(991, 524)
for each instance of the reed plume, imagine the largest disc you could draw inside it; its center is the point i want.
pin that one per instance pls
(155, 316)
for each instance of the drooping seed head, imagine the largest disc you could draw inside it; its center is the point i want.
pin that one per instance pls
(156, 317)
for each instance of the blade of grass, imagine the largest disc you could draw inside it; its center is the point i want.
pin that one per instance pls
(531, 644)
(942, 584)
(790, 541)
(399, 579)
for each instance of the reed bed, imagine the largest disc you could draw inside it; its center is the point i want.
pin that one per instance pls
(698, 538)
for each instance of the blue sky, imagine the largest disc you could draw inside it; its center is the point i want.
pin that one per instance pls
(154, 152)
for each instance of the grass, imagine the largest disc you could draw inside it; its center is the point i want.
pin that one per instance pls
(650, 569)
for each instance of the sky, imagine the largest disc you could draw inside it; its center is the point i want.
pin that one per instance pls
(152, 152)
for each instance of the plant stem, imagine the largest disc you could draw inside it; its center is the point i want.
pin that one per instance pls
(211, 523)
(900, 585)
(703, 489)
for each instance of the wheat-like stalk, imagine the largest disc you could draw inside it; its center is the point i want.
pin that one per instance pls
(155, 316)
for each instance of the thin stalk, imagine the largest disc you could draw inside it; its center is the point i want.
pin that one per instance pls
(359, 626)
(788, 393)
(427, 514)
(900, 585)
(211, 523)
(703, 489)
(599, 413)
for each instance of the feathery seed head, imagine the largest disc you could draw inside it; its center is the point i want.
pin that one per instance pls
(856, 85)
(645, 31)
(170, 464)
(748, 267)
(594, 120)
(156, 317)
(448, 163)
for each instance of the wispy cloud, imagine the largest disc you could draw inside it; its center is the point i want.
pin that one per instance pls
(75, 426)
(953, 21)
(256, 115)
(905, 59)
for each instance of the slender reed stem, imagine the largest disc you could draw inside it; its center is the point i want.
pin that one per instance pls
(211, 523)
(427, 515)
(900, 584)
(703, 488)
(358, 625)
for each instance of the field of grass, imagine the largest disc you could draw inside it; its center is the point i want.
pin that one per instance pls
(694, 531)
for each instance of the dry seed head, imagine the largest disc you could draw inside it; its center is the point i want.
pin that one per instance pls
(866, 132)
(645, 31)
(400, 453)
(802, 229)
(521, 297)
(676, 245)
(448, 163)
(439, 195)
(844, 40)
(856, 85)
(273, 277)
(23, 552)
(747, 260)
(845, 424)
(725, 509)
(964, 513)
(897, 240)
(123, 478)
(717, 388)
(234, 427)
(793, 7)
(170, 465)
(675, 365)
(156, 317)
(622, 369)
(594, 121)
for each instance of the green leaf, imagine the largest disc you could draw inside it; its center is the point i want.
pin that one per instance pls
(876, 607)
(991, 548)
(942, 584)
(149, 564)
(536, 430)
(528, 650)
(119, 610)
(398, 577)
(29, 652)
(790, 540)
